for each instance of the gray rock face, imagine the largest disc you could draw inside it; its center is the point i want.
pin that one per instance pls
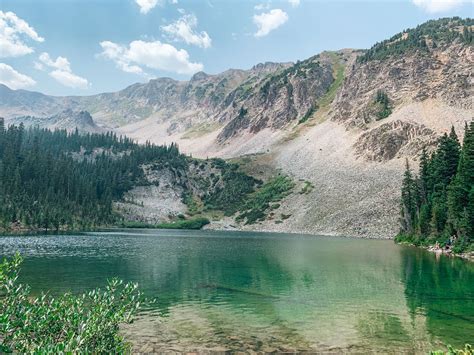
(443, 73)
(68, 120)
(394, 140)
(277, 99)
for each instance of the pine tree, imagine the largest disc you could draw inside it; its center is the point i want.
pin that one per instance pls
(409, 205)
(445, 196)
(43, 186)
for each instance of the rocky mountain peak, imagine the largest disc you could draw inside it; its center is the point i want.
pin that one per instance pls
(199, 76)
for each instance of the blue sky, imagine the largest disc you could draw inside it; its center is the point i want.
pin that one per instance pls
(81, 47)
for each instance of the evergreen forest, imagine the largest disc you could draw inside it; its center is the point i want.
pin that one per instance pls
(55, 179)
(438, 204)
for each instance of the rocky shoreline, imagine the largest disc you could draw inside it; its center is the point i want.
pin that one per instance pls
(438, 251)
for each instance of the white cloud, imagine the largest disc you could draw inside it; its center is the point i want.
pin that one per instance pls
(294, 3)
(118, 54)
(69, 79)
(183, 29)
(154, 55)
(38, 66)
(146, 5)
(13, 32)
(62, 72)
(433, 6)
(269, 21)
(262, 6)
(14, 80)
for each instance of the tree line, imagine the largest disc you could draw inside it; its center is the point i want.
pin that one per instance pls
(437, 205)
(432, 34)
(55, 179)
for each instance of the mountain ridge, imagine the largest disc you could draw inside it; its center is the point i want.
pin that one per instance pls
(342, 123)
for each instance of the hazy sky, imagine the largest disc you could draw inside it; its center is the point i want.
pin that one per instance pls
(66, 47)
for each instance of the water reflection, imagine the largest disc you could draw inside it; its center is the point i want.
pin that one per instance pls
(442, 289)
(265, 292)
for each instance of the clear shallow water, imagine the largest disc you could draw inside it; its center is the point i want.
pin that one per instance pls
(264, 292)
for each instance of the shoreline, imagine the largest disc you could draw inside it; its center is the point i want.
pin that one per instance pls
(469, 256)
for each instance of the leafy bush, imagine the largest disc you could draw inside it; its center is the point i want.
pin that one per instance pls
(451, 351)
(67, 324)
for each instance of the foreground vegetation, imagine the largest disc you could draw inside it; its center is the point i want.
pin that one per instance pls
(438, 205)
(452, 351)
(87, 323)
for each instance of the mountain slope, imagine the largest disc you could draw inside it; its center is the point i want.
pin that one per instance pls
(342, 122)
(67, 119)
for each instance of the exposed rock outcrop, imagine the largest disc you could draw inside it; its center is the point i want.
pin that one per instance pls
(67, 119)
(394, 139)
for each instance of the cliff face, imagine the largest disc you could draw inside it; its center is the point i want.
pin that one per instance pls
(443, 74)
(69, 120)
(404, 91)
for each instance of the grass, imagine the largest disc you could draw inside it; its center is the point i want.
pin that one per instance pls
(338, 74)
(200, 130)
(324, 101)
(194, 206)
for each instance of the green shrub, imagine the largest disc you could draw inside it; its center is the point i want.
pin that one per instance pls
(88, 323)
(230, 197)
(258, 203)
(308, 114)
(383, 103)
(194, 223)
(307, 188)
(451, 351)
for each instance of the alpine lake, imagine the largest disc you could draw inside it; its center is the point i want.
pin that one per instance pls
(263, 292)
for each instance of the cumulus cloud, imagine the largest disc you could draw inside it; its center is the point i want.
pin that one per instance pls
(13, 33)
(269, 21)
(294, 3)
(154, 55)
(434, 6)
(62, 72)
(184, 30)
(13, 79)
(146, 5)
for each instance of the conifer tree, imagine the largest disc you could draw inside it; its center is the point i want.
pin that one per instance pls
(442, 205)
(408, 208)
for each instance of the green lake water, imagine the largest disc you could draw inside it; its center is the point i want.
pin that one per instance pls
(264, 291)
